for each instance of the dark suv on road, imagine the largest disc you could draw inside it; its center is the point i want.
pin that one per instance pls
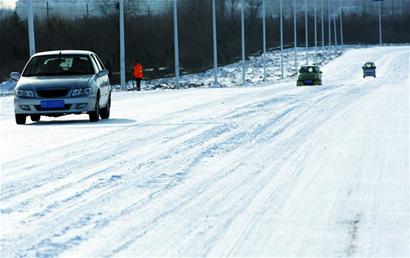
(309, 75)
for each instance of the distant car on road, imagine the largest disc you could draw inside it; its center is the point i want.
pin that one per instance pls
(57, 83)
(309, 75)
(369, 69)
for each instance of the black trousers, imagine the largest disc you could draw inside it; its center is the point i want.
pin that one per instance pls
(138, 80)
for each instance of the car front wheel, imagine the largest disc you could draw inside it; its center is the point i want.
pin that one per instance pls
(20, 119)
(95, 115)
(35, 118)
(105, 112)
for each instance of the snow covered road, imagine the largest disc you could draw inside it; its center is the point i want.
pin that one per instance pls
(277, 170)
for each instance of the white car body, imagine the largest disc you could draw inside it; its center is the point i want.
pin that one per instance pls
(61, 94)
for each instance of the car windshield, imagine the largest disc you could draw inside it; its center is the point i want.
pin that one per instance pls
(369, 65)
(59, 65)
(310, 69)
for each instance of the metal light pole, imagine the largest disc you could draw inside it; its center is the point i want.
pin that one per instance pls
(176, 44)
(335, 27)
(122, 45)
(329, 27)
(243, 40)
(264, 38)
(315, 24)
(306, 33)
(32, 44)
(322, 24)
(215, 42)
(380, 23)
(295, 36)
(341, 24)
(281, 39)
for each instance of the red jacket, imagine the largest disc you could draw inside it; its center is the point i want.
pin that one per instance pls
(138, 71)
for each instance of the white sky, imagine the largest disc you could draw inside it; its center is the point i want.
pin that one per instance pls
(8, 4)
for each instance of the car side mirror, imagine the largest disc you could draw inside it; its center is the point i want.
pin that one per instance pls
(321, 72)
(103, 72)
(15, 76)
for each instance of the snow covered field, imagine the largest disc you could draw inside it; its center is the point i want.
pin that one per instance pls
(257, 171)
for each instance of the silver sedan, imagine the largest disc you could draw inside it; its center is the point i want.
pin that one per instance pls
(57, 83)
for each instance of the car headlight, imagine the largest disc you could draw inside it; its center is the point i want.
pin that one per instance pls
(24, 93)
(81, 92)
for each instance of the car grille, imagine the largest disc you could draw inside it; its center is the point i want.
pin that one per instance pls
(66, 107)
(52, 93)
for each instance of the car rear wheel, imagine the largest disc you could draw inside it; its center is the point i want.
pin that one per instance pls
(95, 115)
(35, 118)
(20, 119)
(105, 112)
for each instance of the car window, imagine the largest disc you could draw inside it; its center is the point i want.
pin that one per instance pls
(309, 70)
(58, 65)
(99, 61)
(99, 68)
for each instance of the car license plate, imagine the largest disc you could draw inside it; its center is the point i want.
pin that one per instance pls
(52, 104)
(308, 81)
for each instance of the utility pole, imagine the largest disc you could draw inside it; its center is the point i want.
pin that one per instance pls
(295, 35)
(47, 8)
(30, 20)
(122, 45)
(48, 11)
(306, 33)
(215, 42)
(281, 40)
(243, 40)
(264, 38)
(86, 9)
(176, 44)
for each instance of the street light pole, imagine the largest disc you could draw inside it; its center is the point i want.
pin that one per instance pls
(341, 24)
(306, 33)
(243, 40)
(315, 24)
(215, 42)
(32, 44)
(176, 44)
(264, 38)
(295, 36)
(322, 25)
(329, 27)
(335, 26)
(380, 24)
(122, 45)
(281, 39)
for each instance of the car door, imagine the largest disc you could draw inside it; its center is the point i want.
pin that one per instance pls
(106, 78)
(102, 81)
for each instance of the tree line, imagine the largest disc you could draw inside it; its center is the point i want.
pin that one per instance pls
(150, 36)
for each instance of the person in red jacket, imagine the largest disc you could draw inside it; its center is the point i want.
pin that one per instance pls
(137, 73)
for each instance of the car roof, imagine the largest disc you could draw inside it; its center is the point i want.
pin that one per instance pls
(64, 52)
(308, 66)
(369, 63)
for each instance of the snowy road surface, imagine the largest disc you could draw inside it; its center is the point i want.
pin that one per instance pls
(264, 171)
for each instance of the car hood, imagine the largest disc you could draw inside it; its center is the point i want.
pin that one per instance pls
(44, 82)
